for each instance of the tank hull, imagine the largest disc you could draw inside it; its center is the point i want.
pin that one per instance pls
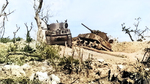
(94, 41)
(59, 36)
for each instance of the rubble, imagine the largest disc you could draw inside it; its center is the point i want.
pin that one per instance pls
(42, 76)
(55, 79)
(101, 60)
(15, 70)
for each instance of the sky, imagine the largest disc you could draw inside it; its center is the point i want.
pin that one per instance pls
(104, 15)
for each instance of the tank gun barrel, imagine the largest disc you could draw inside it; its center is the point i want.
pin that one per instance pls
(87, 27)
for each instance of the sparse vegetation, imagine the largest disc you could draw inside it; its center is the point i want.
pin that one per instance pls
(66, 64)
(141, 75)
(48, 51)
(28, 49)
(17, 39)
(28, 37)
(19, 80)
(5, 40)
(20, 61)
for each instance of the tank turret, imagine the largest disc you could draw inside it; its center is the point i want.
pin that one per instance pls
(97, 32)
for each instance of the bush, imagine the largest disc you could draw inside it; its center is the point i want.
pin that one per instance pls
(2, 59)
(12, 48)
(29, 39)
(48, 51)
(18, 60)
(5, 40)
(28, 49)
(17, 39)
(67, 61)
(69, 64)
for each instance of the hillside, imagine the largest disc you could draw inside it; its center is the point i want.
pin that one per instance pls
(92, 67)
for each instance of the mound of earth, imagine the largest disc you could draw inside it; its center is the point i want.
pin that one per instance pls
(130, 47)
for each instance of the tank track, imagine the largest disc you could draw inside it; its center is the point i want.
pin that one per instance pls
(92, 44)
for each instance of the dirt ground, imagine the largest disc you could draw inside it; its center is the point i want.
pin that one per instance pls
(130, 50)
(125, 55)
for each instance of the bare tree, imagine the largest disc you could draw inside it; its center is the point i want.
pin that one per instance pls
(45, 17)
(15, 33)
(28, 38)
(37, 11)
(136, 31)
(40, 17)
(127, 31)
(4, 15)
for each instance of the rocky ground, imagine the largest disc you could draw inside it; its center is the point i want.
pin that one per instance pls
(117, 67)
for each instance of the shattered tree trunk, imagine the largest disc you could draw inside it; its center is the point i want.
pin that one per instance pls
(130, 36)
(41, 33)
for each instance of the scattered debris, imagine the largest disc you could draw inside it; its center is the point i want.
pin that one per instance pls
(15, 70)
(55, 79)
(42, 76)
(101, 60)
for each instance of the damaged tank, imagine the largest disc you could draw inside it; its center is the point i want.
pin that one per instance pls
(96, 39)
(58, 33)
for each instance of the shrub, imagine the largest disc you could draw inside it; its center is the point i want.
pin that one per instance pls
(48, 51)
(5, 40)
(28, 39)
(2, 59)
(17, 39)
(12, 48)
(69, 64)
(28, 49)
(67, 61)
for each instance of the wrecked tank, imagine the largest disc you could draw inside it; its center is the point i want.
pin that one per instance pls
(58, 33)
(96, 39)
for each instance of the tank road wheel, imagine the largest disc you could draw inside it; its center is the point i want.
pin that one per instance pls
(69, 42)
(85, 43)
(99, 46)
(90, 44)
(94, 44)
(79, 42)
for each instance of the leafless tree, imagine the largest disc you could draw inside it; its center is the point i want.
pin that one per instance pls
(45, 16)
(37, 11)
(127, 31)
(40, 17)
(28, 38)
(136, 31)
(15, 33)
(40, 14)
(4, 15)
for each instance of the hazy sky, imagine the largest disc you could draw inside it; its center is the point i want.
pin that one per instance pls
(103, 15)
